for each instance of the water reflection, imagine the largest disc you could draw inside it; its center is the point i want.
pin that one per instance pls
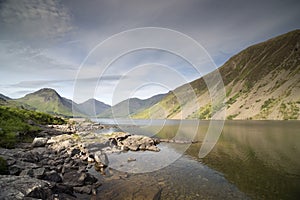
(260, 157)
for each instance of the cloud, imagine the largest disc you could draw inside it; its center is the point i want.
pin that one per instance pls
(142, 81)
(220, 26)
(35, 19)
(44, 83)
(43, 42)
(22, 92)
(24, 61)
(39, 83)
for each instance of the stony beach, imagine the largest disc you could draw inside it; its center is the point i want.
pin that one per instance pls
(55, 165)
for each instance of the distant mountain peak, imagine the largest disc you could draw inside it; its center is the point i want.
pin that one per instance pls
(4, 97)
(46, 91)
(131, 106)
(48, 95)
(92, 100)
(92, 107)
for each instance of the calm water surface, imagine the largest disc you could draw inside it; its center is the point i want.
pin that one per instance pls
(251, 160)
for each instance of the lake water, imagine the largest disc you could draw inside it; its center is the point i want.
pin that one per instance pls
(251, 160)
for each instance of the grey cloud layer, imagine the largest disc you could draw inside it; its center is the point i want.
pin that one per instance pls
(31, 19)
(49, 39)
(44, 83)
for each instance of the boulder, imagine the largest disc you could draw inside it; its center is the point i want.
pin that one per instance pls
(61, 142)
(67, 167)
(53, 176)
(100, 168)
(36, 173)
(39, 142)
(113, 142)
(61, 146)
(73, 178)
(90, 159)
(19, 166)
(156, 140)
(138, 142)
(84, 189)
(82, 169)
(28, 172)
(90, 179)
(39, 172)
(142, 147)
(31, 156)
(101, 158)
(24, 187)
(133, 147)
(74, 151)
(10, 161)
(61, 188)
(118, 136)
(153, 148)
(41, 151)
(15, 170)
(124, 148)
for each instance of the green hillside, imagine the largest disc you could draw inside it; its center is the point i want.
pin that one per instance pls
(17, 124)
(49, 101)
(261, 82)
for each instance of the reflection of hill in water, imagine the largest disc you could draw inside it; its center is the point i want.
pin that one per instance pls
(260, 157)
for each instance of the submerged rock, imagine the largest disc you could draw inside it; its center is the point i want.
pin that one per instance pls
(84, 189)
(101, 158)
(153, 148)
(131, 159)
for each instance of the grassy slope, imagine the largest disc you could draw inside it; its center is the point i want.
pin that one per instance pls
(48, 101)
(14, 126)
(266, 73)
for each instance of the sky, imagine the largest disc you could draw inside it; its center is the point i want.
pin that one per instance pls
(105, 49)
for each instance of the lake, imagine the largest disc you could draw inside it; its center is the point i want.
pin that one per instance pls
(251, 160)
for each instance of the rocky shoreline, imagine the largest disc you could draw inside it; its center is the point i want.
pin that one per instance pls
(55, 165)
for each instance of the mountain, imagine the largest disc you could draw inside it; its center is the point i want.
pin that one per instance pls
(3, 97)
(130, 107)
(92, 107)
(49, 101)
(7, 101)
(261, 82)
